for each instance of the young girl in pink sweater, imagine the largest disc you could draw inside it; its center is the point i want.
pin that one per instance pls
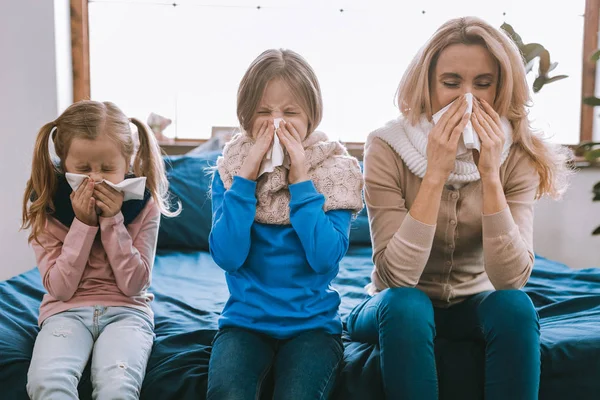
(94, 220)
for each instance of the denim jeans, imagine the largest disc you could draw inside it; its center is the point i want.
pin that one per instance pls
(404, 323)
(303, 367)
(119, 339)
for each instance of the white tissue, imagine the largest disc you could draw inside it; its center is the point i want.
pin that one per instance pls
(275, 156)
(470, 140)
(132, 188)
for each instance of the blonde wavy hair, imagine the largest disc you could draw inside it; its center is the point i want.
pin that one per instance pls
(88, 120)
(294, 70)
(512, 97)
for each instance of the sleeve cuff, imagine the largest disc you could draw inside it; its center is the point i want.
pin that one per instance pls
(81, 235)
(302, 190)
(114, 220)
(243, 186)
(498, 224)
(83, 228)
(419, 233)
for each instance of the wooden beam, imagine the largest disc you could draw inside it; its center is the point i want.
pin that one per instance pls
(588, 81)
(80, 49)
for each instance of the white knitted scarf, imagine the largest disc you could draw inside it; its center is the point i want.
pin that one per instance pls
(410, 142)
(333, 171)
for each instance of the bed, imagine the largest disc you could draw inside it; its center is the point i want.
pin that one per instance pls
(190, 291)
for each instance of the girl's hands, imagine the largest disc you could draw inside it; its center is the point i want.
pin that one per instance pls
(84, 204)
(109, 200)
(292, 142)
(263, 138)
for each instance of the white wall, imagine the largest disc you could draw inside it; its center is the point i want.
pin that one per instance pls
(562, 229)
(64, 61)
(28, 99)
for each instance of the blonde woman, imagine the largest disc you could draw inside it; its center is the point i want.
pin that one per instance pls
(279, 233)
(452, 226)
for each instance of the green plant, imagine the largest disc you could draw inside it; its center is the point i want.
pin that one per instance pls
(530, 52)
(593, 100)
(591, 152)
(596, 191)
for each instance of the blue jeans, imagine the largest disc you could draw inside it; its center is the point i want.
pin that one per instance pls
(404, 323)
(120, 338)
(303, 367)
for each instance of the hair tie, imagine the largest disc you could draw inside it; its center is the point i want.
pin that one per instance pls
(54, 130)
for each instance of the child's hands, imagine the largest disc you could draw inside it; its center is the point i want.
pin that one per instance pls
(108, 200)
(263, 139)
(84, 205)
(291, 140)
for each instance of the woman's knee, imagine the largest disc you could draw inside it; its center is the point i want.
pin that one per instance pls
(509, 310)
(399, 312)
(406, 306)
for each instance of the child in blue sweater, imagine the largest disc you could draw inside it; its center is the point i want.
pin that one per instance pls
(283, 197)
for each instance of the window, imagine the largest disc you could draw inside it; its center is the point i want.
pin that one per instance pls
(183, 59)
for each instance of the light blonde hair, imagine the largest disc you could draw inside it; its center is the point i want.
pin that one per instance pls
(88, 120)
(294, 70)
(512, 97)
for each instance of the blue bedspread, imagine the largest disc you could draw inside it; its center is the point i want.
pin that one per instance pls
(190, 291)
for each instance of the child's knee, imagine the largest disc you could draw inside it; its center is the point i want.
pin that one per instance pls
(48, 382)
(118, 381)
(231, 391)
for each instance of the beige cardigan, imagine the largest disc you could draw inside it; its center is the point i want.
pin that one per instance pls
(465, 252)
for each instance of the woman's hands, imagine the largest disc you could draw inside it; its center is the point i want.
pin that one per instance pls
(443, 140)
(488, 127)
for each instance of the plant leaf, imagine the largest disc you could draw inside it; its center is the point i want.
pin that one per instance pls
(592, 155)
(596, 56)
(586, 146)
(552, 66)
(544, 62)
(513, 35)
(596, 191)
(556, 78)
(591, 101)
(539, 82)
(596, 231)
(531, 51)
